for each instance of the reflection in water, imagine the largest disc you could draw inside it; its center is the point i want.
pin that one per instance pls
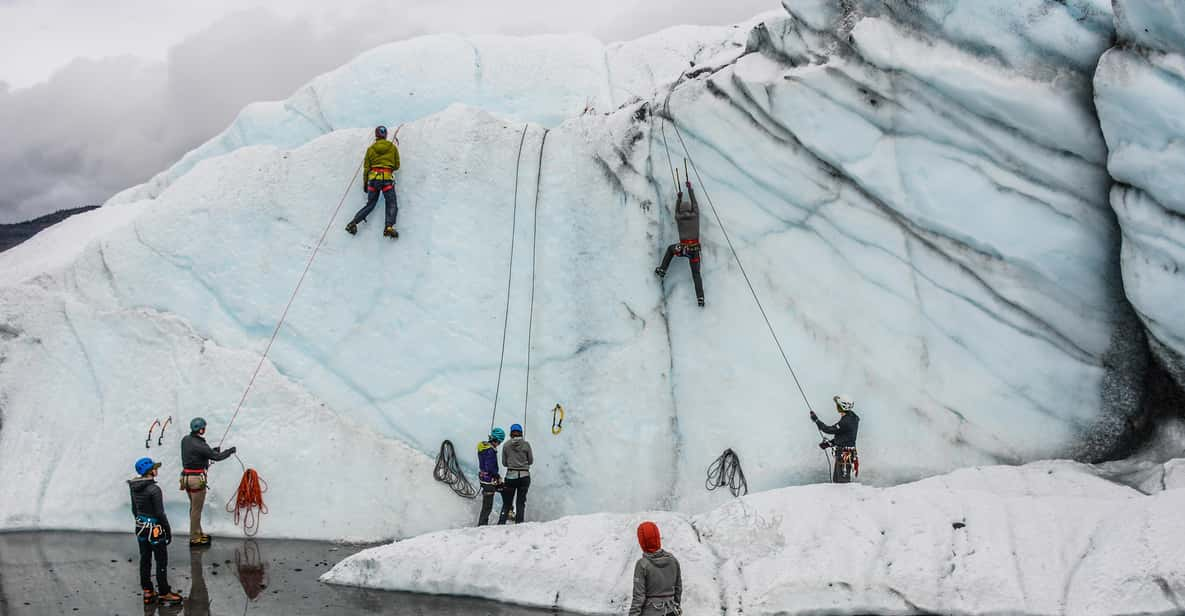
(90, 573)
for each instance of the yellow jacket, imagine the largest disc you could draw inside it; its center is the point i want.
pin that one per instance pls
(382, 161)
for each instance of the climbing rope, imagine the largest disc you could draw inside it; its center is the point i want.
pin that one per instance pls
(732, 248)
(448, 471)
(726, 472)
(534, 262)
(509, 277)
(247, 503)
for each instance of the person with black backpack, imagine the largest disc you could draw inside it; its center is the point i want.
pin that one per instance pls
(153, 532)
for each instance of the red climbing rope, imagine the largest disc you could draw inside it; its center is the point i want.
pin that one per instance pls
(247, 503)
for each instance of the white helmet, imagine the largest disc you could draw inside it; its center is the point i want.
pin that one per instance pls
(844, 403)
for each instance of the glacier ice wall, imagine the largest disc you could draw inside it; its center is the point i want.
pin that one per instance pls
(917, 194)
(1140, 91)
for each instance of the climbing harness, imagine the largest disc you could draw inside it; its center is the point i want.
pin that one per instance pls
(736, 256)
(247, 503)
(150, 530)
(726, 471)
(448, 471)
(509, 277)
(557, 419)
(148, 439)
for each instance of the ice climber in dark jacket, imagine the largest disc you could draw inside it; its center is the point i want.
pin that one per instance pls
(153, 532)
(658, 581)
(847, 459)
(196, 456)
(687, 220)
(487, 473)
(517, 458)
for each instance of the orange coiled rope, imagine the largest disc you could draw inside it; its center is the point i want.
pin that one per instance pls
(247, 503)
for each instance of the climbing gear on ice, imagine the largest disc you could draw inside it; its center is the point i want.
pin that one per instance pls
(144, 465)
(148, 439)
(557, 419)
(197, 424)
(498, 434)
(160, 439)
(843, 403)
(351, 228)
(448, 471)
(726, 471)
(247, 503)
(390, 232)
(380, 132)
(660, 272)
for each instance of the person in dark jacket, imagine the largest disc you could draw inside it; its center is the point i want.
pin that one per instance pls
(378, 168)
(658, 581)
(488, 475)
(196, 456)
(153, 532)
(687, 220)
(517, 458)
(847, 460)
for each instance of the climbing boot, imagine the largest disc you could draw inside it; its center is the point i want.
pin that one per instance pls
(660, 272)
(701, 301)
(390, 232)
(197, 542)
(149, 597)
(351, 228)
(171, 599)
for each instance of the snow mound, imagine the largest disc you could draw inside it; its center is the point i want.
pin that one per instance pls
(1140, 91)
(967, 543)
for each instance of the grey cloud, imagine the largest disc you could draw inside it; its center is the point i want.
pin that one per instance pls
(99, 126)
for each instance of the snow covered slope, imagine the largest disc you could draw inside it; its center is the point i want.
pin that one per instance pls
(918, 197)
(1048, 538)
(1140, 92)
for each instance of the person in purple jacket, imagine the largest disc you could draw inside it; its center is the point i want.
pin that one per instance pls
(487, 474)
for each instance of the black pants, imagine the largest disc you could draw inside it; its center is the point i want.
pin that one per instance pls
(373, 188)
(692, 255)
(845, 462)
(487, 502)
(161, 552)
(515, 491)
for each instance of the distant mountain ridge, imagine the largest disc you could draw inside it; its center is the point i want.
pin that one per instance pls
(13, 234)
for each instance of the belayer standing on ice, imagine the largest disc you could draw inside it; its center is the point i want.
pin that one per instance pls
(379, 167)
(658, 581)
(488, 475)
(517, 458)
(153, 532)
(847, 460)
(687, 219)
(196, 456)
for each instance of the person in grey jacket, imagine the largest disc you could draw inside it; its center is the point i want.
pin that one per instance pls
(687, 219)
(658, 581)
(517, 458)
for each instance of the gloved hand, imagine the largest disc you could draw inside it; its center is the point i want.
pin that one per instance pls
(232, 450)
(814, 417)
(824, 444)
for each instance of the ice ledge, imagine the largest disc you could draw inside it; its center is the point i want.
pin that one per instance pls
(1044, 539)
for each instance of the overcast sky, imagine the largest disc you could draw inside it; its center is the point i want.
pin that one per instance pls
(99, 96)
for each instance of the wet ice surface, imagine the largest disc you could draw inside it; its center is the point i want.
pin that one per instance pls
(89, 573)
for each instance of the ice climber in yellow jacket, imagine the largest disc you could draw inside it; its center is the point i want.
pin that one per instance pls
(379, 167)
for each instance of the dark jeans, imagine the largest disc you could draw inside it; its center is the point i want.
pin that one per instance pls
(487, 503)
(161, 552)
(373, 188)
(692, 257)
(515, 492)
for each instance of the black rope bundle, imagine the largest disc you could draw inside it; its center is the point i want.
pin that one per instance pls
(448, 471)
(726, 471)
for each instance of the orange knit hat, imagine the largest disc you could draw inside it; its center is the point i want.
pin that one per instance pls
(648, 537)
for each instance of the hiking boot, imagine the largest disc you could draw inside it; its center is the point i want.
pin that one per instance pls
(701, 301)
(390, 232)
(660, 272)
(149, 597)
(171, 599)
(351, 228)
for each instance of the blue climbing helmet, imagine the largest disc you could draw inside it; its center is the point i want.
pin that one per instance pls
(197, 424)
(145, 465)
(516, 428)
(498, 434)
(380, 132)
